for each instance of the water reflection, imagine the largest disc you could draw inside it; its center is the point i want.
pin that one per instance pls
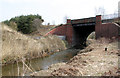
(38, 64)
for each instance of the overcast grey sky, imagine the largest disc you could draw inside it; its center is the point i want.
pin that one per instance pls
(54, 11)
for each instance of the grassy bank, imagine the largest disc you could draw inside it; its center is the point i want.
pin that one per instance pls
(16, 46)
(42, 30)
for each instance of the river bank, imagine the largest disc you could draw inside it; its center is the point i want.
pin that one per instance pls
(20, 69)
(20, 47)
(94, 60)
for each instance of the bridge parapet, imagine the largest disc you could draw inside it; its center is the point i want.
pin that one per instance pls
(68, 21)
(84, 20)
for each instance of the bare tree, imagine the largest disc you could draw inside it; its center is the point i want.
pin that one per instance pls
(116, 13)
(119, 9)
(53, 22)
(100, 11)
(37, 24)
(65, 19)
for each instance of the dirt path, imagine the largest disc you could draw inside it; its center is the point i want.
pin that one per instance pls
(92, 61)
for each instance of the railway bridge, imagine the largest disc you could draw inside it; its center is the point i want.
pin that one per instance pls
(76, 31)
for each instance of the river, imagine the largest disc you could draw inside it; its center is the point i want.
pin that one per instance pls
(38, 64)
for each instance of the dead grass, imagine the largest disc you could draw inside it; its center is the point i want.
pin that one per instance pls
(91, 61)
(16, 45)
(94, 62)
(42, 30)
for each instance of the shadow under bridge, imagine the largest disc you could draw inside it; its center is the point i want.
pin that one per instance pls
(81, 30)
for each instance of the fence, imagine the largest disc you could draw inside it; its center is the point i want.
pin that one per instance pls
(110, 18)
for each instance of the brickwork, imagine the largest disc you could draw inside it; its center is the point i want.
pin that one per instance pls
(69, 33)
(64, 30)
(60, 30)
(107, 30)
(97, 26)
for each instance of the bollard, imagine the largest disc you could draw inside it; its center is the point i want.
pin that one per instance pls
(105, 49)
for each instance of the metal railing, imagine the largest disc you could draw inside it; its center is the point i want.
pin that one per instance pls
(110, 18)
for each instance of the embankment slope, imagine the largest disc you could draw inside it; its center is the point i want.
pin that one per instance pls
(17, 46)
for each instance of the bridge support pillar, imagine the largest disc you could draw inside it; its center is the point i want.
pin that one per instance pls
(69, 32)
(98, 26)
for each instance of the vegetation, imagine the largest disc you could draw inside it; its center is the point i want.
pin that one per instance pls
(17, 46)
(25, 24)
(91, 36)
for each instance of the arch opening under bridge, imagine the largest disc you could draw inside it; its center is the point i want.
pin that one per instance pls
(80, 34)
(82, 28)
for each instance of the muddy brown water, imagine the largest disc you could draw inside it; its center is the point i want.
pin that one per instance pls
(38, 64)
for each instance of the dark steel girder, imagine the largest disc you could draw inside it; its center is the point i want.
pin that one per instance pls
(83, 24)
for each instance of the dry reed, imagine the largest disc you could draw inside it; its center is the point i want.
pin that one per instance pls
(16, 45)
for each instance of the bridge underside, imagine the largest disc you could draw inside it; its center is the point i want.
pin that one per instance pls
(80, 34)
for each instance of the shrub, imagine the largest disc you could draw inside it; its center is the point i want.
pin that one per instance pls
(24, 23)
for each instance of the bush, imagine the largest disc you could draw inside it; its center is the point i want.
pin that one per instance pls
(23, 23)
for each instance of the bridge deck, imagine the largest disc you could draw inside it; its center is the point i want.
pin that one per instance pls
(84, 24)
(90, 21)
(84, 20)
